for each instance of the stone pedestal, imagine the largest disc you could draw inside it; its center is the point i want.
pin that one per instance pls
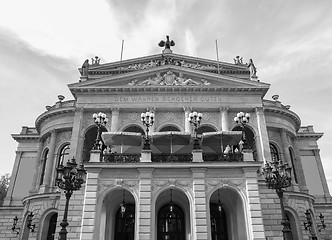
(145, 156)
(197, 155)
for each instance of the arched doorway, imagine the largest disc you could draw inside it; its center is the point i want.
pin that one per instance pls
(172, 218)
(171, 223)
(117, 216)
(49, 224)
(227, 215)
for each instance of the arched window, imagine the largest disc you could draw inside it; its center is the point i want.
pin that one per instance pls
(89, 141)
(134, 128)
(249, 136)
(274, 152)
(125, 223)
(171, 223)
(44, 160)
(291, 154)
(292, 224)
(203, 129)
(169, 128)
(64, 155)
(218, 222)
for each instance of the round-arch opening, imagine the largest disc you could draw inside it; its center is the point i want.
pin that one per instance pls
(169, 128)
(134, 128)
(117, 218)
(172, 215)
(205, 128)
(49, 224)
(89, 140)
(226, 214)
(292, 224)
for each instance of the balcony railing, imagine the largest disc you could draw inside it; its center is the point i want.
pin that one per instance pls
(166, 157)
(121, 158)
(223, 157)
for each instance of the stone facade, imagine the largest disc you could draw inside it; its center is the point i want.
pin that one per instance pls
(171, 86)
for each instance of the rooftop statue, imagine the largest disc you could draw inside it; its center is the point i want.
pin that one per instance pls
(252, 68)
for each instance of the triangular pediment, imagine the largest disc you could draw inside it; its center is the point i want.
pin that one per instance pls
(163, 77)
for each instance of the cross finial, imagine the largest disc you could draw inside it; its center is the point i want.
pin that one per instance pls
(167, 45)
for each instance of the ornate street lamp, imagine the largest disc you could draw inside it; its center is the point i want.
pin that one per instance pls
(69, 178)
(100, 120)
(242, 119)
(278, 177)
(195, 119)
(14, 228)
(147, 119)
(308, 224)
(29, 221)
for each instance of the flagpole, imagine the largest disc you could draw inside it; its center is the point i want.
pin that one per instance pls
(217, 56)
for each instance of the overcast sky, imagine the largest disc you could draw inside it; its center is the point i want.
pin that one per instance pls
(42, 43)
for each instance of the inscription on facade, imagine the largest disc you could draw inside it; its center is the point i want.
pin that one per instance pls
(161, 99)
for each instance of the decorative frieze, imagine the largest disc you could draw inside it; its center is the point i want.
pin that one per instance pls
(232, 182)
(157, 184)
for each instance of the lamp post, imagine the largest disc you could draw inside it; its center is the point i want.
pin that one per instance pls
(308, 224)
(242, 119)
(278, 177)
(195, 119)
(69, 178)
(147, 119)
(100, 120)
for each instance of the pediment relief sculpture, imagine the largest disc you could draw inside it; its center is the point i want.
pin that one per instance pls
(169, 79)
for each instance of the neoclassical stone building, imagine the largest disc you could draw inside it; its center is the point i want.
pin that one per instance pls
(173, 191)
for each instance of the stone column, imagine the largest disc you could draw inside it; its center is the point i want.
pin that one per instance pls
(37, 163)
(262, 141)
(199, 208)
(224, 119)
(144, 203)
(187, 126)
(89, 206)
(77, 141)
(49, 162)
(115, 119)
(10, 190)
(256, 227)
(285, 149)
(321, 173)
(299, 167)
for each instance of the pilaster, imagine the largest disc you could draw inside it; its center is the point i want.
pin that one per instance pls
(199, 212)
(321, 173)
(89, 205)
(256, 227)
(115, 119)
(76, 142)
(224, 119)
(37, 162)
(262, 139)
(299, 167)
(187, 126)
(285, 146)
(144, 204)
(10, 190)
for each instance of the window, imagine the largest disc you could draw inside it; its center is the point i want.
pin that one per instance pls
(274, 153)
(44, 160)
(64, 155)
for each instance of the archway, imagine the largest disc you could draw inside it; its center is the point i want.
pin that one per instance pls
(134, 128)
(117, 219)
(48, 225)
(169, 128)
(227, 215)
(172, 215)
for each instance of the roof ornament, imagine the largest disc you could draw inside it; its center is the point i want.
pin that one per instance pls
(95, 61)
(238, 60)
(167, 45)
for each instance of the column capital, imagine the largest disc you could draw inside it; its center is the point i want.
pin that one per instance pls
(259, 110)
(316, 151)
(187, 109)
(151, 109)
(115, 109)
(79, 109)
(224, 109)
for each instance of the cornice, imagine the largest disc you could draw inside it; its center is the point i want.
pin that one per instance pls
(40, 196)
(309, 135)
(18, 137)
(52, 113)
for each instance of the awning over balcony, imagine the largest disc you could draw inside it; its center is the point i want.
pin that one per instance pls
(169, 142)
(127, 142)
(218, 141)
